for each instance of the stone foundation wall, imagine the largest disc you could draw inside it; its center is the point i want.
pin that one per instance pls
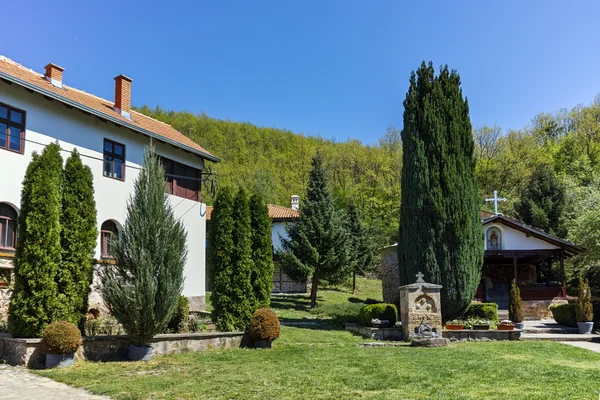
(390, 275)
(477, 335)
(540, 309)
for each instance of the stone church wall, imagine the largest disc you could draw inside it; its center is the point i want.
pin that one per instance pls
(390, 275)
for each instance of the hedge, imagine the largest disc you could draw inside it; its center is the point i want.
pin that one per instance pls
(380, 311)
(487, 311)
(565, 314)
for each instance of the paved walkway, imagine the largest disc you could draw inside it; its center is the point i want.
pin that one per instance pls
(585, 345)
(17, 383)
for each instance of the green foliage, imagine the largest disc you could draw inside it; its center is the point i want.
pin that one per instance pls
(485, 311)
(262, 251)
(360, 249)
(61, 337)
(585, 311)
(440, 228)
(179, 319)
(78, 238)
(565, 314)
(318, 242)
(264, 325)
(515, 304)
(103, 325)
(542, 201)
(143, 288)
(36, 300)
(381, 311)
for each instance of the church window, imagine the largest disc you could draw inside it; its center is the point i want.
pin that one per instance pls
(494, 239)
(8, 227)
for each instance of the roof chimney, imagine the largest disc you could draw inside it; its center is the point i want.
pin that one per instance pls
(295, 202)
(54, 74)
(123, 95)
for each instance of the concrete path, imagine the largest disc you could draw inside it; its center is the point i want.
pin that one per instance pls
(16, 383)
(561, 337)
(585, 345)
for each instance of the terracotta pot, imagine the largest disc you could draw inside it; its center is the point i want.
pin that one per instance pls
(452, 327)
(506, 327)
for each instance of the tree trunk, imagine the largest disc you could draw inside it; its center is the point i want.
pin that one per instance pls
(353, 283)
(313, 291)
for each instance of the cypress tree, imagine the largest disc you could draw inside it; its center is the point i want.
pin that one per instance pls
(36, 301)
(360, 248)
(143, 288)
(78, 238)
(317, 243)
(262, 251)
(440, 229)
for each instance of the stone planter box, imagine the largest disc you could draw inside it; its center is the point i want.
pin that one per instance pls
(367, 332)
(481, 335)
(17, 351)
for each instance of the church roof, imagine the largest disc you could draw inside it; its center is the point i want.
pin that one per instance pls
(276, 213)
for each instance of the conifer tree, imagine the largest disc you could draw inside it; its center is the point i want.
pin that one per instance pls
(262, 251)
(515, 304)
(360, 249)
(317, 244)
(440, 228)
(78, 238)
(143, 288)
(35, 301)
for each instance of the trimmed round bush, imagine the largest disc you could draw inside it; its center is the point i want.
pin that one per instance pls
(565, 314)
(487, 311)
(264, 325)
(61, 337)
(381, 311)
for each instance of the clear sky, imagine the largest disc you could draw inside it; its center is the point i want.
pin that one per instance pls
(338, 69)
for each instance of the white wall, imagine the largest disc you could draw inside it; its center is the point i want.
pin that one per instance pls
(50, 120)
(513, 239)
(278, 229)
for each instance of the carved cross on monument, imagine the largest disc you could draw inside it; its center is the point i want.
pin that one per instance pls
(496, 199)
(420, 277)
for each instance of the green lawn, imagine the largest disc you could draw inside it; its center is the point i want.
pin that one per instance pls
(310, 362)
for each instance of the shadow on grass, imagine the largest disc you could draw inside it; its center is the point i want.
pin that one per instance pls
(315, 325)
(297, 302)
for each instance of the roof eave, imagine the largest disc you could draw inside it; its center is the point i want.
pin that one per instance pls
(108, 117)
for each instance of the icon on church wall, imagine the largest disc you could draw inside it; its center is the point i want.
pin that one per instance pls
(494, 239)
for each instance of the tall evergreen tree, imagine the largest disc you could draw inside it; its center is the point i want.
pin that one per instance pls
(360, 248)
(78, 238)
(143, 288)
(317, 243)
(262, 251)
(36, 301)
(543, 201)
(440, 229)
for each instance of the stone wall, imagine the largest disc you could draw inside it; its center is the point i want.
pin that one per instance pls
(284, 284)
(540, 309)
(390, 275)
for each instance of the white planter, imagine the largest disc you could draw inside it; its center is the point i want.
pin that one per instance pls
(59, 360)
(140, 353)
(585, 327)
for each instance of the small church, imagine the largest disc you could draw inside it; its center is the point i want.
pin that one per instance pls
(513, 250)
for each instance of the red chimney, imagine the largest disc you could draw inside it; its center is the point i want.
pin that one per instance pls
(54, 74)
(123, 95)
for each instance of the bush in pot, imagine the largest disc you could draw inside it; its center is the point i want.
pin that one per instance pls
(515, 305)
(264, 328)
(584, 313)
(60, 341)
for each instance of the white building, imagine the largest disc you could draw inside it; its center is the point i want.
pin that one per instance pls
(37, 109)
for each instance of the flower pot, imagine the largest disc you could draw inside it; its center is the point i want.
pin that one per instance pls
(481, 327)
(59, 360)
(140, 353)
(262, 344)
(452, 327)
(506, 327)
(585, 327)
(519, 325)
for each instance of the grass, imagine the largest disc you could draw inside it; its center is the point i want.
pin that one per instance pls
(312, 362)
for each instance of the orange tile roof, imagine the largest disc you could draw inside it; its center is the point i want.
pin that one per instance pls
(16, 73)
(277, 213)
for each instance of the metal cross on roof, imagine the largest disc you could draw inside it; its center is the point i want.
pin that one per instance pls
(420, 277)
(496, 199)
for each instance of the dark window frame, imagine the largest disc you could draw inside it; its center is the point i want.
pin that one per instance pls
(178, 184)
(9, 123)
(105, 236)
(112, 163)
(8, 220)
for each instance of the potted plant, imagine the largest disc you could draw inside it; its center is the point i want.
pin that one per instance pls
(505, 325)
(481, 324)
(60, 341)
(264, 328)
(515, 306)
(585, 314)
(454, 325)
(3, 281)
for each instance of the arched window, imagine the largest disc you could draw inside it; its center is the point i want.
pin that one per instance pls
(107, 230)
(494, 239)
(8, 227)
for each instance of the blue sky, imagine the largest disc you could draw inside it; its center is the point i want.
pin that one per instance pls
(338, 69)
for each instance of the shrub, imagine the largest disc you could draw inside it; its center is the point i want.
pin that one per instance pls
(565, 314)
(340, 313)
(196, 324)
(179, 319)
(381, 311)
(515, 304)
(486, 311)
(61, 337)
(101, 326)
(264, 325)
(584, 302)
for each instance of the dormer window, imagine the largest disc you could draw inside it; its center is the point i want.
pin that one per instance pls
(12, 129)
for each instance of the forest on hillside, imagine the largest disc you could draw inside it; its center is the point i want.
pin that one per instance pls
(549, 170)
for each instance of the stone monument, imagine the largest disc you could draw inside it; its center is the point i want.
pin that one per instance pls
(420, 312)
